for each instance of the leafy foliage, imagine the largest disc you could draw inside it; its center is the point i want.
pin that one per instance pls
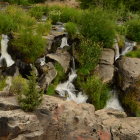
(29, 97)
(95, 89)
(71, 28)
(29, 45)
(2, 83)
(133, 30)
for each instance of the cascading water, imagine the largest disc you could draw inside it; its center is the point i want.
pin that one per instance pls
(67, 89)
(129, 45)
(113, 102)
(64, 42)
(4, 53)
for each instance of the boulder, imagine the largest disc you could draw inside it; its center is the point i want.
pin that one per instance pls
(48, 75)
(62, 57)
(128, 72)
(57, 119)
(105, 68)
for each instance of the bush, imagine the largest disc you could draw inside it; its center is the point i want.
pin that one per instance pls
(88, 54)
(97, 26)
(38, 11)
(19, 85)
(96, 90)
(20, 18)
(133, 30)
(44, 28)
(2, 83)
(135, 53)
(29, 96)
(6, 23)
(29, 46)
(71, 28)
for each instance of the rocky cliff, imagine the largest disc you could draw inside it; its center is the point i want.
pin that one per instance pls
(57, 119)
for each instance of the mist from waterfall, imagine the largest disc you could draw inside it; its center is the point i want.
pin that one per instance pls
(4, 54)
(67, 89)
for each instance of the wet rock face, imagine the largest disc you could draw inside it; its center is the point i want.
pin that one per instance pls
(56, 119)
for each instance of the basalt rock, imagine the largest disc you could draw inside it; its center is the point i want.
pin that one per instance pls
(57, 119)
(105, 68)
(62, 57)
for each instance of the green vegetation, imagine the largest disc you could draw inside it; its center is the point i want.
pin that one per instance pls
(2, 83)
(60, 76)
(24, 2)
(97, 26)
(38, 11)
(135, 53)
(71, 28)
(95, 89)
(29, 97)
(28, 42)
(133, 30)
(88, 54)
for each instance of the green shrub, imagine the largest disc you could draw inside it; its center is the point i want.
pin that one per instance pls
(60, 76)
(97, 26)
(20, 18)
(38, 11)
(6, 23)
(71, 28)
(29, 96)
(19, 85)
(30, 46)
(87, 54)
(96, 90)
(44, 28)
(135, 53)
(133, 30)
(2, 83)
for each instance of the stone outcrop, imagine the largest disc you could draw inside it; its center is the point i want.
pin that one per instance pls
(62, 57)
(57, 119)
(128, 79)
(128, 72)
(105, 68)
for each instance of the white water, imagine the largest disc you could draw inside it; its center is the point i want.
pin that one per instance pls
(42, 61)
(128, 47)
(117, 51)
(4, 53)
(67, 89)
(113, 102)
(64, 42)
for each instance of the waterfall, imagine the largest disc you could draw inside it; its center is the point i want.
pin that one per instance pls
(64, 42)
(67, 89)
(4, 54)
(129, 45)
(113, 102)
(117, 51)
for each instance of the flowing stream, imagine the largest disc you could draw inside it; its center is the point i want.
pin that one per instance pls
(67, 89)
(64, 42)
(4, 54)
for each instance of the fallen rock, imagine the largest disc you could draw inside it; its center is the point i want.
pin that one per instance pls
(62, 57)
(57, 119)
